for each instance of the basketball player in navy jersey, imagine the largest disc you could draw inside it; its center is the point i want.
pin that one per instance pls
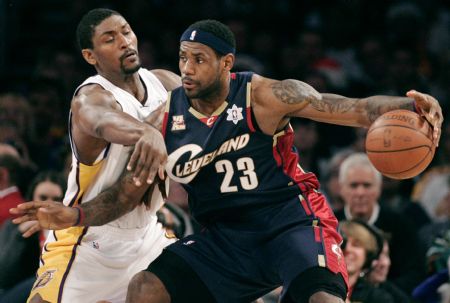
(230, 146)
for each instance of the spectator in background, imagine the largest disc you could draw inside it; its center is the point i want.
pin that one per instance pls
(431, 190)
(332, 188)
(16, 123)
(361, 187)
(46, 186)
(436, 229)
(19, 257)
(378, 274)
(372, 58)
(306, 139)
(47, 99)
(402, 74)
(436, 288)
(362, 246)
(10, 195)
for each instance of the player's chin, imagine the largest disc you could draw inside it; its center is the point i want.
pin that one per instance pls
(191, 93)
(129, 69)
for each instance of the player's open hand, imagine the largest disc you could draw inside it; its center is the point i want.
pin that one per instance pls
(149, 157)
(28, 228)
(49, 215)
(430, 109)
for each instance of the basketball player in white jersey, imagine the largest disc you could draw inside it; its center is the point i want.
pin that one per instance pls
(108, 133)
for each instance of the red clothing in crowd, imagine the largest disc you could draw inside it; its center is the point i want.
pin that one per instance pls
(9, 198)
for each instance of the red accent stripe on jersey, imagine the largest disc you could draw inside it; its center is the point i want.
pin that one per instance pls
(164, 124)
(305, 206)
(249, 119)
(233, 76)
(317, 236)
(285, 155)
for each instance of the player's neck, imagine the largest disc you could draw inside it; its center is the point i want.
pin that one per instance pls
(130, 83)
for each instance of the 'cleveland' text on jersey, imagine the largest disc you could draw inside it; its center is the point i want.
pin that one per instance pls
(224, 161)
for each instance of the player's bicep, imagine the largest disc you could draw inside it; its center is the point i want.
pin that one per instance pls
(275, 101)
(293, 95)
(89, 110)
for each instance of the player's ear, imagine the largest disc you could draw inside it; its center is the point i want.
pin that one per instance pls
(89, 56)
(228, 62)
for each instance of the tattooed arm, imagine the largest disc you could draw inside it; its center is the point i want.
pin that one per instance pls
(280, 100)
(114, 202)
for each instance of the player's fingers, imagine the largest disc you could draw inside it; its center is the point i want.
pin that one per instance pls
(153, 171)
(436, 134)
(162, 168)
(142, 167)
(24, 218)
(32, 230)
(16, 211)
(422, 101)
(134, 157)
(29, 205)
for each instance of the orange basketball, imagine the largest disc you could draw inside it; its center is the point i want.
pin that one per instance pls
(399, 144)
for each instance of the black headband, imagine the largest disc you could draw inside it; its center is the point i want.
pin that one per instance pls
(209, 39)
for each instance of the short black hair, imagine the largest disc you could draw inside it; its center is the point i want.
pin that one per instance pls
(14, 167)
(86, 27)
(216, 28)
(51, 176)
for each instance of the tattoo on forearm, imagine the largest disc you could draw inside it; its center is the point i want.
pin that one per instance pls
(294, 92)
(110, 204)
(378, 105)
(334, 104)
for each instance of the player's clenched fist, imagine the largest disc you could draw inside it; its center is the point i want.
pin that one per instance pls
(149, 157)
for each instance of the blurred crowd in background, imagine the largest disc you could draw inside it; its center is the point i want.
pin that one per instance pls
(355, 48)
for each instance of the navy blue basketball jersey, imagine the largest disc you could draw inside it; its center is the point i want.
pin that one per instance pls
(224, 161)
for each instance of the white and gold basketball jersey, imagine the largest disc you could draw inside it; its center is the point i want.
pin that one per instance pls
(88, 264)
(87, 181)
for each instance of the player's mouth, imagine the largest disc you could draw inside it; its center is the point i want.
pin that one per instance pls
(129, 55)
(188, 84)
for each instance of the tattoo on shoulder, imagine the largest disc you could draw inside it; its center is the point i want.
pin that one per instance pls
(294, 92)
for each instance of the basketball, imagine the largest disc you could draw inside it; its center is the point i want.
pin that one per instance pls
(399, 144)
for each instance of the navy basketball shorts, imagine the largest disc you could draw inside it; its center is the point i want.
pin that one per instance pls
(263, 248)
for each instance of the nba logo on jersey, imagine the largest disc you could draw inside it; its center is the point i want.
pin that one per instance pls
(192, 37)
(234, 114)
(178, 123)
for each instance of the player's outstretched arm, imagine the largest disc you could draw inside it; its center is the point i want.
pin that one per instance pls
(294, 98)
(109, 205)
